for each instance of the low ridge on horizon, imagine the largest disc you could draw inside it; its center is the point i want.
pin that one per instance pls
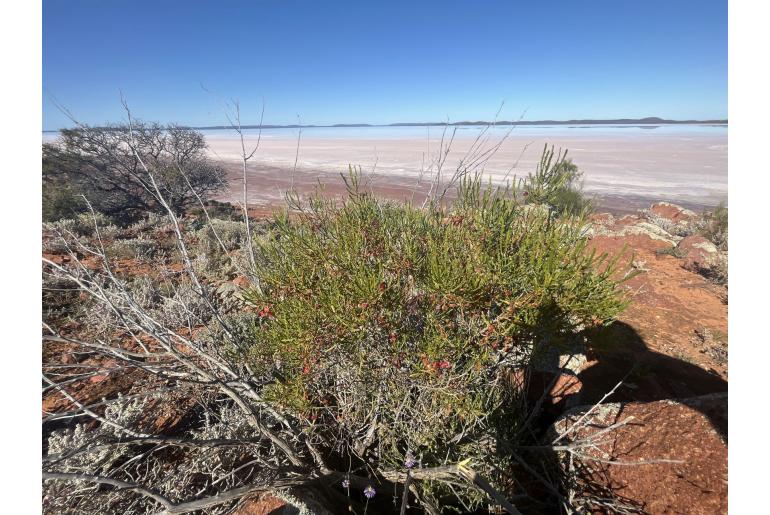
(654, 120)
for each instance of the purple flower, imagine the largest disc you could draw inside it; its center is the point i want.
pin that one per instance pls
(346, 483)
(409, 462)
(369, 492)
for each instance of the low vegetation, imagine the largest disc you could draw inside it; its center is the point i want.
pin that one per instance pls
(369, 353)
(391, 330)
(714, 226)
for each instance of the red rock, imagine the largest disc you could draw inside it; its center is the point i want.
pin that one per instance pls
(176, 267)
(264, 505)
(165, 416)
(692, 433)
(699, 254)
(107, 365)
(672, 212)
(668, 305)
(627, 220)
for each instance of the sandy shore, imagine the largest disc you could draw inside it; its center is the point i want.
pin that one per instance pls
(624, 168)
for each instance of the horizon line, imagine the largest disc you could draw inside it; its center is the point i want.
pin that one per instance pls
(652, 120)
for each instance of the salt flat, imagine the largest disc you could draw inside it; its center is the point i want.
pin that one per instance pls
(632, 165)
(625, 167)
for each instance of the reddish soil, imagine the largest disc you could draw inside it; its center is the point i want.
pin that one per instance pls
(264, 505)
(672, 338)
(692, 433)
(671, 343)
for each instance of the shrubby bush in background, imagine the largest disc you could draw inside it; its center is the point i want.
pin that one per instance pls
(107, 165)
(556, 184)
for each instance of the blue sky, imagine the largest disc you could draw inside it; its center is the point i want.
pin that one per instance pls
(383, 62)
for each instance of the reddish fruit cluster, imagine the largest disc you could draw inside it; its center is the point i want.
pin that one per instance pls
(436, 366)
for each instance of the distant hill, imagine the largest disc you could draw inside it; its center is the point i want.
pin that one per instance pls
(652, 120)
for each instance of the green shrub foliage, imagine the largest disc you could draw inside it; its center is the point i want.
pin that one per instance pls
(556, 183)
(714, 226)
(392, 330)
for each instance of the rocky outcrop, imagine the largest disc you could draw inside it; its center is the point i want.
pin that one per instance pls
(673, 219)
(637, 233)
(661, 226)
(700, 255)
(672, 213)
(667, 228)
(670, 456)
(670, 306)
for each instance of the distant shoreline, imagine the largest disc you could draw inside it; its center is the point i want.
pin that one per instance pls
(650, 122)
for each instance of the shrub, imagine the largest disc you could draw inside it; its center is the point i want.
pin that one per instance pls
(216, 463)
(101, 164)
(133, 248)
(211, 256)
(217, 209)
(556, 183)
(232, 235)
(59, 201)
(173, 304)
(148, 223)
(390, 330)
(715, 226)
(83, 224)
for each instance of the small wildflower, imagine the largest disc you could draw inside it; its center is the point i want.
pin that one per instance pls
(369, 492)
(346, 483)
(410, 462)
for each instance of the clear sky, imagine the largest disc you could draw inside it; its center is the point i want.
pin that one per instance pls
(384, 61)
